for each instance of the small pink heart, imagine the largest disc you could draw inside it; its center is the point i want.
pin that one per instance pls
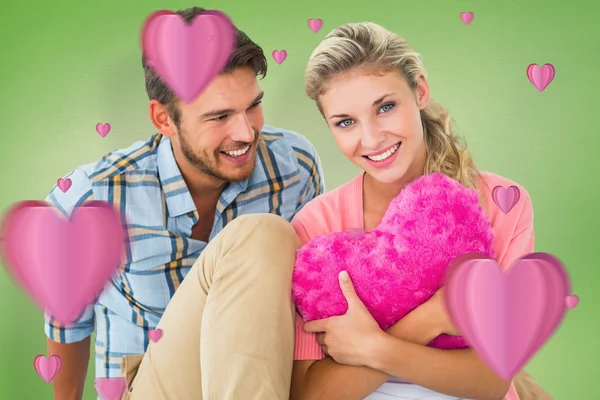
(507, 317)
(540, 77)
(110, 388)
(466, 17)
(64, 184)
(103, 129)
(506, 199)
(315, 24)
(572, 301)
(155, 334)
(47, 368)
(279, 55)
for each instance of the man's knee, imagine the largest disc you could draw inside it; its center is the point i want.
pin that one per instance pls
(264, 239)
(264, 226)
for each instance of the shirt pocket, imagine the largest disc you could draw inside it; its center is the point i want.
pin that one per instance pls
(150, 247)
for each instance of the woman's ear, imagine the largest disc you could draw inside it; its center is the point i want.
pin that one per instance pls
(423, 94)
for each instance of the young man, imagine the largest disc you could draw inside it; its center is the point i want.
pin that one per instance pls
(187, 194)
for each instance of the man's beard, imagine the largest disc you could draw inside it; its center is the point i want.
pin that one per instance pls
(203, 162)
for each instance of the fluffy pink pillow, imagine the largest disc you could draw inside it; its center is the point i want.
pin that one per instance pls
(401, 263)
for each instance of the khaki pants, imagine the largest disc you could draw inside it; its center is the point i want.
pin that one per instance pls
(228, 332)
(528, 389)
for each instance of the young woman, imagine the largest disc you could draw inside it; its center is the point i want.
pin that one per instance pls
(372, 90)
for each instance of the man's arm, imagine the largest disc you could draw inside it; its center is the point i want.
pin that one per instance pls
(71, 342)
(327, 379)
(75, 357)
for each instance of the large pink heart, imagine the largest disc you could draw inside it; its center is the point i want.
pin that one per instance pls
(188, 56)
(403, 262)
(63, 264)
(507, 317)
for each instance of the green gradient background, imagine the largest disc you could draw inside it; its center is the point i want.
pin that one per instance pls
(67, 65)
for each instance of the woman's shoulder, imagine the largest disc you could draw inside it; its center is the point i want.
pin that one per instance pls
(331, 200)
(502, 195)
(327, 211)
(492, 180)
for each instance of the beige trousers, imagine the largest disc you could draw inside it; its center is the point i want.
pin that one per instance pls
(528, 389)
(228, 332)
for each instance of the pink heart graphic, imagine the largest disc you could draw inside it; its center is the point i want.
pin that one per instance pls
(103, 129)
(110, 388)
(572, 301)
(62, 264)
(155, 334)
(540, 77)
(466, 17)
(64, 184)
(188, 56)
(315, 24)
(279, 56)
(47, 368)
(507, 317)
(506, 199)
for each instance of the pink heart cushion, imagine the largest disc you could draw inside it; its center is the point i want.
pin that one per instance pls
(400, 264)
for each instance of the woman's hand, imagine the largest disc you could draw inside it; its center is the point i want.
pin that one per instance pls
(435, 309)
(351, 338)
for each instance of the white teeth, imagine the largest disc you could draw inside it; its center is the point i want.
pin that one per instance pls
(237, 153)
(383, 156)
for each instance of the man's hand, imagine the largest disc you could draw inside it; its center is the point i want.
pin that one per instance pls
(350, 338)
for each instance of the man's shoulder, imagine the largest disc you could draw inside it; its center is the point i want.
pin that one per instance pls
(288, 139)
(139, 156)
(293, 149)
(85, 180)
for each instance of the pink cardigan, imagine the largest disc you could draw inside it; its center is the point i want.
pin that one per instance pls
(342, 208)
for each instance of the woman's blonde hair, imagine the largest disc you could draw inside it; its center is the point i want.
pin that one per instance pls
(369, 46)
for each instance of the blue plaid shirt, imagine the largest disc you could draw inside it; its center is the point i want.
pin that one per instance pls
(145, 183)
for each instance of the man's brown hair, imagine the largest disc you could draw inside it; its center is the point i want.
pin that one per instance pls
(246, 54)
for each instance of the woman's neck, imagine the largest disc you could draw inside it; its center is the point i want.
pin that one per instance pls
(378, 195)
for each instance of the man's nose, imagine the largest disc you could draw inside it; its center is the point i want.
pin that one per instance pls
(242, 130)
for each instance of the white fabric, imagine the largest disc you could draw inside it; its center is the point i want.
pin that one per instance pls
(396, 389)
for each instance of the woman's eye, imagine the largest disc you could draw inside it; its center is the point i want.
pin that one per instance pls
(343, 123)
(387, 107)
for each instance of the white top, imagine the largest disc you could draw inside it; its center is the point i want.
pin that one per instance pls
(397, 389)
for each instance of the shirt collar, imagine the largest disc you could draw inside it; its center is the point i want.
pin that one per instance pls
(178, 197)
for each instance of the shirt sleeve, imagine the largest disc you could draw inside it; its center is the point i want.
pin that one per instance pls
(522, 241)
(79, 192)
(306, 346)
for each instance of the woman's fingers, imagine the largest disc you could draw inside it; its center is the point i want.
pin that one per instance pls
(321, 341)
(321, 338)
